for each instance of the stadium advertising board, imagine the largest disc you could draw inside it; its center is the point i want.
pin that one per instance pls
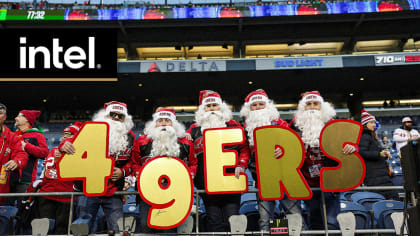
(3, 14)
(299, 63)
(213, 12)
(183, 66)
(281, 63)
(397, 59)
(54, 53)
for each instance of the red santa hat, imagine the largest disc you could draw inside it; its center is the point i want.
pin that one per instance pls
(74, 128)
(31, 115)
(167, 113)
(366, 117)
(115, 106)
(312, 96)
(258, 95)
(209, 97)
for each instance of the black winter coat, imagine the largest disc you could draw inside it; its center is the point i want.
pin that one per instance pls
(376, 166)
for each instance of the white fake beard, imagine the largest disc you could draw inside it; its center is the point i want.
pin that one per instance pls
(118, 140)
(256, 119)
(211, 119)
(164, 142)
(311, 124)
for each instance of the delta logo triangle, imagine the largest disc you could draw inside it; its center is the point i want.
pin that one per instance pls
(154, 68)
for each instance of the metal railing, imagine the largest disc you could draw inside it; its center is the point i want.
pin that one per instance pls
(326, 231)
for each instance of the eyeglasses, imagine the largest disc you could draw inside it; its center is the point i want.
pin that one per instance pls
(114, 115)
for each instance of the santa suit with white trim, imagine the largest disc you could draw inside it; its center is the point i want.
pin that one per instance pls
(213, 113)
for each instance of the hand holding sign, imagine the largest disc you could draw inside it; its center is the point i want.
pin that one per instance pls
(90, 161)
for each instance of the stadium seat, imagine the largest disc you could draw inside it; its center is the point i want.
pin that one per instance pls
(348, 194)
(246, 197)
(250, 210)
(382, 211)
(81, 225)
(132, 210)
(347, 222)
(362, 215)
(8, 211)
(342, 197)
(127, 225)
(367, 199)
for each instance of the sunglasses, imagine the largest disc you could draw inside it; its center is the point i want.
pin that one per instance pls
(114, 115)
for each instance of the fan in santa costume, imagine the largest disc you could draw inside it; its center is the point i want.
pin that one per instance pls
(163, 136)
(311, 116)
(258, 110)
(214, 113)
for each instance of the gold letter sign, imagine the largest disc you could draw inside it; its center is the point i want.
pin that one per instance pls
(278, 175)
(350, 172)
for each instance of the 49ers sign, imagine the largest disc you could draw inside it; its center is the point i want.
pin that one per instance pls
(171, 203)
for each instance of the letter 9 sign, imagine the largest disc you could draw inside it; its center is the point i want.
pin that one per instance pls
(165, 183)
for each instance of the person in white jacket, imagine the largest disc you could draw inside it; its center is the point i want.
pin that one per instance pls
(405, 134)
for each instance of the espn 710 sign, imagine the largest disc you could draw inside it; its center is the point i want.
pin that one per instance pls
(171, 204)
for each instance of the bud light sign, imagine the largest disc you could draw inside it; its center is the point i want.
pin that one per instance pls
(299, 63)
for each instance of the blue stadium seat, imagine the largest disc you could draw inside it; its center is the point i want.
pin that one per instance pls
(342, 197)
(382, 211)
(362, 215)
(246, 197)
(367, 199)
(130, 209)
(348, 194)
(8, 211)
(249, 207)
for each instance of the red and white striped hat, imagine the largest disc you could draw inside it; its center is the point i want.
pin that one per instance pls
(258, 95)
(366, 117)
(161, 112)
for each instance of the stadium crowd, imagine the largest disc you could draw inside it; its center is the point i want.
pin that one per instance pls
(164, 135)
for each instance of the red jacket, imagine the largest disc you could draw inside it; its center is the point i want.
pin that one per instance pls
(11, 149)
(143, 147)
(36, 147)
(53, 184)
